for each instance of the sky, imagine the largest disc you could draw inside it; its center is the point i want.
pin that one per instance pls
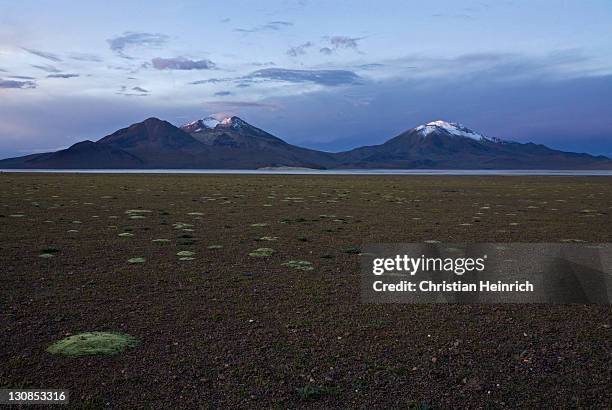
(331, 75)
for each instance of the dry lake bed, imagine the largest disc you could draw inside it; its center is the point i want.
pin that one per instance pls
(243, 291)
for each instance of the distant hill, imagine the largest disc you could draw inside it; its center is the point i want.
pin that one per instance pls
(232, 143)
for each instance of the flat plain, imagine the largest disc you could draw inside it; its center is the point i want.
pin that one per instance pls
(243, 291)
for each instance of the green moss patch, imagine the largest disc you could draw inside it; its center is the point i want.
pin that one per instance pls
(259, 224)
(268, 238)
(126, 235)
(138, 211)
(160, 240)
(300, 265)
(185, 253)
(93, 343)
(215, 247)
(137, 260)
(262, 252)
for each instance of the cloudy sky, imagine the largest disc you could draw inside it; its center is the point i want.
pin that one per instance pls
(324, 74)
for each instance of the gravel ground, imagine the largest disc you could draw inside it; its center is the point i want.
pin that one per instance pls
(226, 329)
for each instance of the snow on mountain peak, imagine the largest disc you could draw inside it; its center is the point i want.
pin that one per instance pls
(452, 128)
(210, 122)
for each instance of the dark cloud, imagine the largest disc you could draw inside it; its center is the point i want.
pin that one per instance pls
(47, 68)
(3, 70)
(270, 26)
(222, 93)
(322, 77)
(370, 66)
(22, 77)
(501, 67)
(131, 39)
(235, 106)
(17, 84)
(212, 81)
(340, 42)
(43, 54)
(85, 57)
(299, 50)
(180, 63)
(140, 89)
(69, 75)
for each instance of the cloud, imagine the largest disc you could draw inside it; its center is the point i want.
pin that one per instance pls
(226, 20)
(181, 63)
(270, 26)
(235, 106)
(22, 77)
(222, 93)
(140, 89)
(131, 39)
(17, 84)
(340, 42)
(47, 68)
(502, 67)
(43, 54)
(212, 81)
(62, 75)
(85, 57)
(321, 77)
(299, 50)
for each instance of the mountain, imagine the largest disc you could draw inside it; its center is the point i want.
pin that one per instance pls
(153, 143)
(232, 136)
(443, 145)
(232, 143)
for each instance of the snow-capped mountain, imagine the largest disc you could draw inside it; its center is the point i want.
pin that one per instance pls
(451, 128)
(448, 145)
(232, 143)
(210, 123)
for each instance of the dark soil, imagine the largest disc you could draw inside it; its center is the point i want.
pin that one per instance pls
(230, 330)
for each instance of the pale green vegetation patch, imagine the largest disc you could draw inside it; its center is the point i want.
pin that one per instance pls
(215, 247)
(126, 235)
(186, 258)
(268, 238)
(185, 253)
(259, 224)
(138, 211)
(137, 260)
(300, 265)
(137, 217)
(46, 255)
(182, 225)
(93, 343)
(262, 252)
(160, 240)
(195, 213)
(17, 215)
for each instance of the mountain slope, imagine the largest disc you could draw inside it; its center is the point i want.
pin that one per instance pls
(234, 144)
(154, 143)
(443, 145)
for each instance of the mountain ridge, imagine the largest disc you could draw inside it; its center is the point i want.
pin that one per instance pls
(232, 143)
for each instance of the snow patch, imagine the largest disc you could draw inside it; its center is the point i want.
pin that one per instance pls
(451, 128)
